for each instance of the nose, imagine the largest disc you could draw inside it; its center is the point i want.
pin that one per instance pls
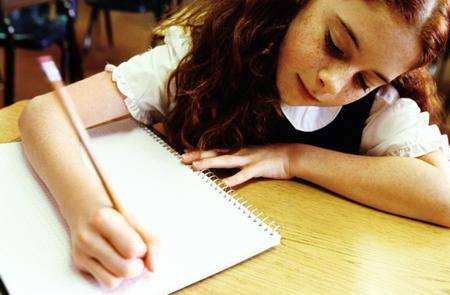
(331, 80)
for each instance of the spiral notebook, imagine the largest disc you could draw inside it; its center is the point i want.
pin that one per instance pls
(202, 226)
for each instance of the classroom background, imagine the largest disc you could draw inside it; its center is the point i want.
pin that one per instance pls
(103, 31)
(38, 29)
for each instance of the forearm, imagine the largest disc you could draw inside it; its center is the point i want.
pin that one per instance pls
(54, 151)
(403, 186)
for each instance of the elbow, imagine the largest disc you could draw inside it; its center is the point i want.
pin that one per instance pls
(444, 221)
(28, 117)
(23, 117)
(442, 216)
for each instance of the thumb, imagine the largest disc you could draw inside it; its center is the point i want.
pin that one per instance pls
(150, 241)
(152, 256)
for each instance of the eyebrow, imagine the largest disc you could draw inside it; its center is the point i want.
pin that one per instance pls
(356, 41)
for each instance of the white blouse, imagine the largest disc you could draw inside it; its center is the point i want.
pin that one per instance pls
(395, 125)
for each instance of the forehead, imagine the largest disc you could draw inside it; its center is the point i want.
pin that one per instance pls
(387, 42)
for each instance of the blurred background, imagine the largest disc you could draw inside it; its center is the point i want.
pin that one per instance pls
(83, 35)
(39, 29)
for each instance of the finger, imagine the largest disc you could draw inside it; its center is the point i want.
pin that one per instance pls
(150, 240)
(197, 155)
(240, 177)
(191, 156)
(121, 235)
(101, 275)
(225, 161)
(243, 152)
(97, 247)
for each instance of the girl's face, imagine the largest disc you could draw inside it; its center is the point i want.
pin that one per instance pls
(335, 52)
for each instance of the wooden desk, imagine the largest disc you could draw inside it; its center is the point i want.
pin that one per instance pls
(330, 245)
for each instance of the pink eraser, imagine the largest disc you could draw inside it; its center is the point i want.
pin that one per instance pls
(49, 67)
(45, 58)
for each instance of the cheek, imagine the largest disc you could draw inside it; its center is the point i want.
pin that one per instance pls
(348, 95)
(301, 52)
(304, 52)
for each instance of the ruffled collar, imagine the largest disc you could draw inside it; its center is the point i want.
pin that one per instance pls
(312, 118)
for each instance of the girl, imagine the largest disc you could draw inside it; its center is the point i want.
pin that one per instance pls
(333, 92)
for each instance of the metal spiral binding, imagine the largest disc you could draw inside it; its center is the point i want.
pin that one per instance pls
(229, 194)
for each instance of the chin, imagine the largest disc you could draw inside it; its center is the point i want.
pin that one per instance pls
(295, 102)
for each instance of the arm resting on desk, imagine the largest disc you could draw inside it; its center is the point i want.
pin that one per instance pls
(53, 149)
(418, 188)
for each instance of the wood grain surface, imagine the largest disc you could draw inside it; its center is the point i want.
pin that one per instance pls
(330, 245)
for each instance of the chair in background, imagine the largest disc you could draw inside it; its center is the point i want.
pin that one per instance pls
(138, 6)
(27, 24)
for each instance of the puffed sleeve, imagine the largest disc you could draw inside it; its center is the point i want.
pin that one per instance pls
(397, 127)
(143, 78)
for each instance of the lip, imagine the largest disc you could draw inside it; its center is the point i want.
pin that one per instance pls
(304, 90)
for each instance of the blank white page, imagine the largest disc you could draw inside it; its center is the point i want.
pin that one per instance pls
(201, 229)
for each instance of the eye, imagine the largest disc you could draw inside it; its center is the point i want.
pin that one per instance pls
(361, 82)
(331, 47)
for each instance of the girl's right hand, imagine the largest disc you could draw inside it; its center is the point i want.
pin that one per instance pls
(107, 247)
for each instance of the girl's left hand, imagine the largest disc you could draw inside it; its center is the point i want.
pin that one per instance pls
(271, 161)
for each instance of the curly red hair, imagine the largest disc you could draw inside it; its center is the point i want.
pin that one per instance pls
(225, 86)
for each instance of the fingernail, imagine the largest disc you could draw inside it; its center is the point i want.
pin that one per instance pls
(194, 166)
